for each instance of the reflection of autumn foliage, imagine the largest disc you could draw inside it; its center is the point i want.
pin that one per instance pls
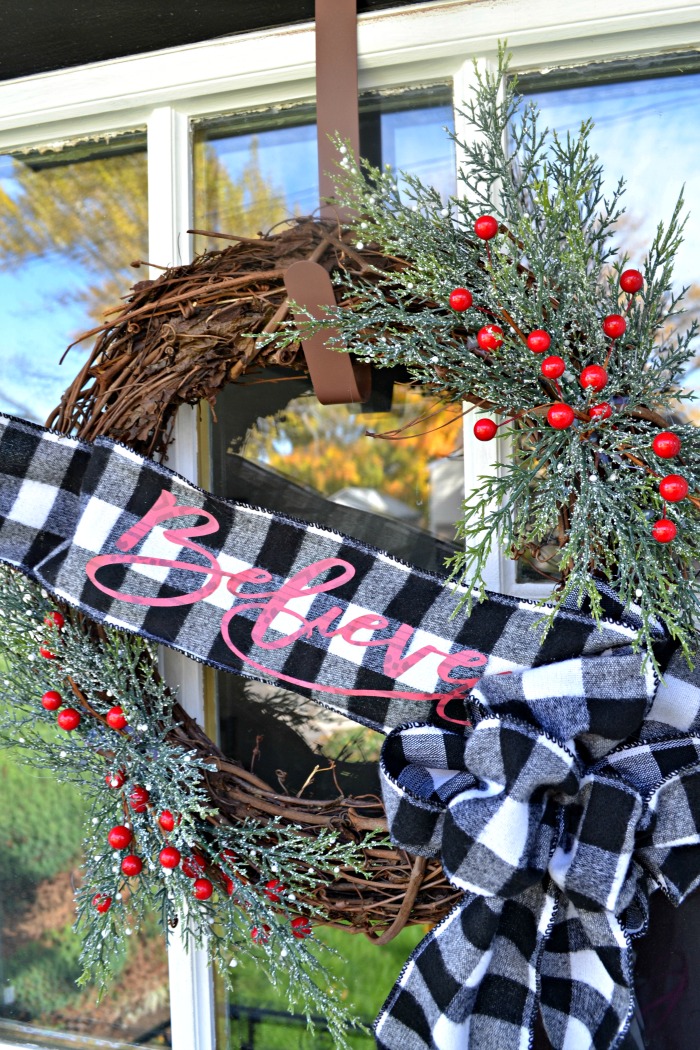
(327, 448)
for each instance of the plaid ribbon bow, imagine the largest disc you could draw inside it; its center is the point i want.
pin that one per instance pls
(557, 833)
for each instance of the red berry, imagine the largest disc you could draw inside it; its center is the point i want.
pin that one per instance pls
(461, 299)
(490, 337)
(666, 445)
(194, 866)
(229, 858)
(116, 718)
(553, 367)
(260, 935)
(673, 488)
(115, 780)
(68, 719)
(485, 429)
(594, 376)
(101, 902)
(301, 927)
(132, 865)
(614, 325)
(228, 883)
(166, 820)
(139, 798)
(539, 341)
(120, 837)
(202, 889)
(601, 411)
(46, 653)
(51, 700)
(664, 531)
(486, 227)
(631, 281)
(169, 857)
(55, 619)
(273, 890)
(560, 416)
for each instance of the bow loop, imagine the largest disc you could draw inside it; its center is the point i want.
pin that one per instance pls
(592, 860)
(557, 836)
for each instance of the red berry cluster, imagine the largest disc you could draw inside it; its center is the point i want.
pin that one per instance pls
(68, 718)
(673, 488)
(461, 299)
(594, 377)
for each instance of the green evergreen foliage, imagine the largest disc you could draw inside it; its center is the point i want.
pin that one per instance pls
(95, 671)
(553, 265)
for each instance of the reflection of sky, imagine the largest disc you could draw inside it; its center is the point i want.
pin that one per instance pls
(287, 159)
(412, 140)
(416, 141)
(38, 322)
(646, 131)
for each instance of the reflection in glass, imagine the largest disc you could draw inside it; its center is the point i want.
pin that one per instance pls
(252, 171)
(276, 446)
(633, 122)
(71, 221)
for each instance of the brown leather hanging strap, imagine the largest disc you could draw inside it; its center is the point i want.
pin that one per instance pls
(336, 379)
(337, 111)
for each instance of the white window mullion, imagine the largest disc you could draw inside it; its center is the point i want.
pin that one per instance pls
(169, 217)
(479, 456)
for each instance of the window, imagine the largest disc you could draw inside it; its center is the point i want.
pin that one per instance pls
(198, 91)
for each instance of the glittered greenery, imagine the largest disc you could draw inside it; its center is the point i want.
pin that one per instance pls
(590, 490)
(95, 670)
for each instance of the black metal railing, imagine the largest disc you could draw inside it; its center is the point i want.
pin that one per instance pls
(259, 1029)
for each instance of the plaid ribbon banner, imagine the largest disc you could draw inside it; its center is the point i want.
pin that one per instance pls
(132, 544)
(557, 795)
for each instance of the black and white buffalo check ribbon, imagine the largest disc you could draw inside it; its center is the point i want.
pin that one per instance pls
(557, 796)
(134, 545)
(557, 833)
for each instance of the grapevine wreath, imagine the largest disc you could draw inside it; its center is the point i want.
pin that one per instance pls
(547, 787)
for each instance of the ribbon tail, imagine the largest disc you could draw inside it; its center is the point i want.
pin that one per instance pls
(586, 997)
(471, 983)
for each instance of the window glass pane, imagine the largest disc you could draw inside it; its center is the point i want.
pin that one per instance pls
(253, 170)
(645, 131)
(274, 445)
(71, 221)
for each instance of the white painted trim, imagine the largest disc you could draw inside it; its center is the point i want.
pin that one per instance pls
(279, 64)
(169, 187)
(192, 1013)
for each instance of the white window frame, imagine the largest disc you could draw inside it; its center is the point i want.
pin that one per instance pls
(165, 90)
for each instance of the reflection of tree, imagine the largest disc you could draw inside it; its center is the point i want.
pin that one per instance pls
(327, 448)
(90, 213)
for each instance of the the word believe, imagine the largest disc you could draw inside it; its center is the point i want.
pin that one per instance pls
(319, 577)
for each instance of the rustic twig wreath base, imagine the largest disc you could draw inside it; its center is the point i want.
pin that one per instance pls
(179, 340)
